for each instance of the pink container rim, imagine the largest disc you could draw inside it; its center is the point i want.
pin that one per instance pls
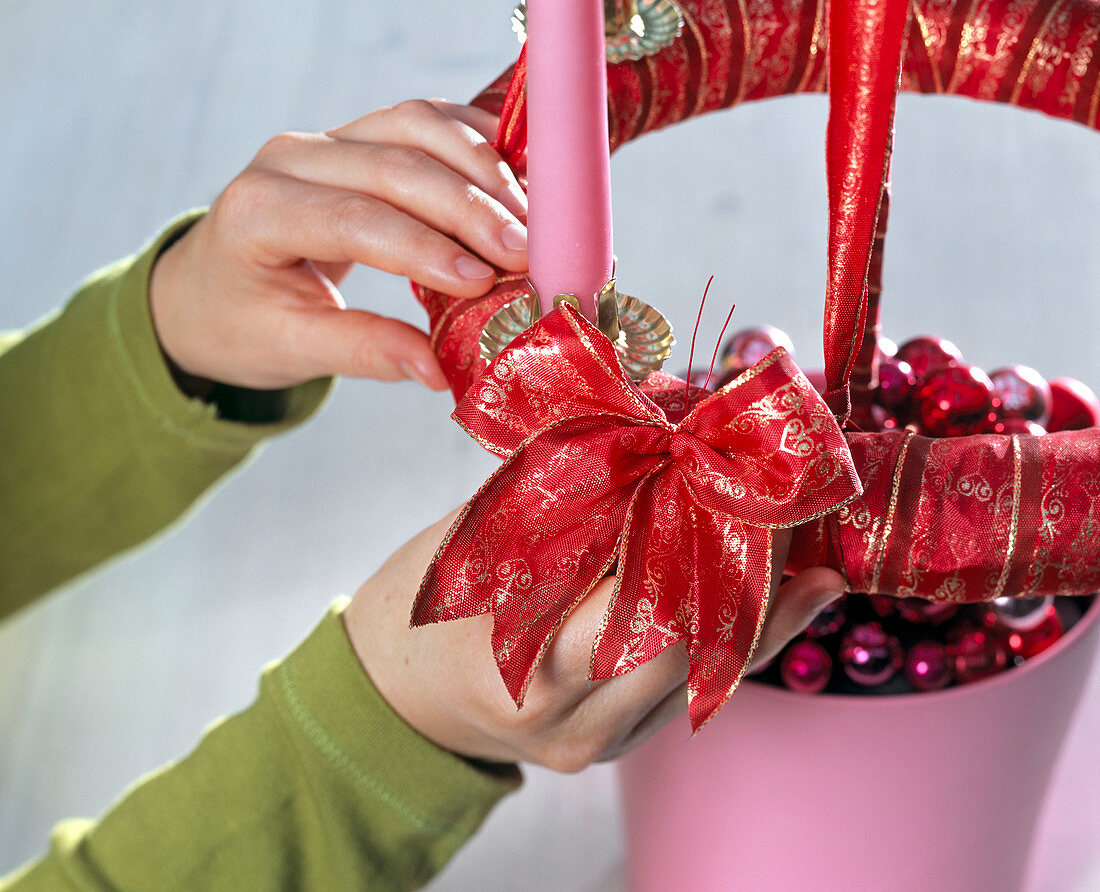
(973, 689)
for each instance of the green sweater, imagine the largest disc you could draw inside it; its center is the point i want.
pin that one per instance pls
(318, 784)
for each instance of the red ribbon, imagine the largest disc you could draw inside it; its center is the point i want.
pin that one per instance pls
(595, 473)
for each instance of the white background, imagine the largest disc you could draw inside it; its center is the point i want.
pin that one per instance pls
(116, 115)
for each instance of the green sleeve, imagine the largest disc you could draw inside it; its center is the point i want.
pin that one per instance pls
(99, 449)
(317, 785)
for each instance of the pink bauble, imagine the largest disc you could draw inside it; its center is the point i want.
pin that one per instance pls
(751, 345)
(955, 401)
(806, 667)
(926, 354)
(1023, 392)
(817, 379)
(1073, 407)
(927, 666)
(828, 622)
(869, 655)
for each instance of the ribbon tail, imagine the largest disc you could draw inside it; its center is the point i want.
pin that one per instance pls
(532, 543)
(647, 612)
(729, 591)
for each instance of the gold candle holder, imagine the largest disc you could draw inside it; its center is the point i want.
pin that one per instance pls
(641, 335)
(634, 28)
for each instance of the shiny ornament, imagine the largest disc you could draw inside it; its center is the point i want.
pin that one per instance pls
(1016, 426)
(975, 653)
(1019, 614)
(918, 610)
(869, 655)
(926, 354)
(828, 622)
(1023, 392)
(699, 378)
(1074, 406)
(955, 401)
(728, 372)
(806, 667)
(751, 345)
(885, 420)
(1027, 643)
(896, 385)
(885, 606)
(886, 347)
(927, 666)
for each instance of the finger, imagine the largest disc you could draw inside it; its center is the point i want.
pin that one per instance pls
(673, 704)
(409, 180)
(283, 220)
(361, 344)
(794, 606)
(482, 121)
(453, 142)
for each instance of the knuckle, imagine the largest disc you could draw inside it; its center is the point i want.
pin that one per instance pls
(417, 109)
(277, 145)
(243, 200)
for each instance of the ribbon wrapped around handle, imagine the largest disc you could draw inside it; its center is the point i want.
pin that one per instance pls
(596, 473)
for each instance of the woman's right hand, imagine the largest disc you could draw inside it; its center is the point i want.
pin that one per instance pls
(248, 297)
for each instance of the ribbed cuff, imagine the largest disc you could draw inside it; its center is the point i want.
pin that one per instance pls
(134, 339)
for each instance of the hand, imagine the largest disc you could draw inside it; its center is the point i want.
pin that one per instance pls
(248, 296)
(442, 679)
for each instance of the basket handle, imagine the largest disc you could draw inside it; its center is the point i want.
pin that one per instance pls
(866, 39)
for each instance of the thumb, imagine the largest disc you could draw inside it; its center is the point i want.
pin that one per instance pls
(360, 344)
(794, 606)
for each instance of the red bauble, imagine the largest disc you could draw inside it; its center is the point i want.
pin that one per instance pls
(753, 344)
(1073, 407)
(828, 622)
(869, 655)
(955, 401)
(1034, 641)
(927, 666)
(1016, 426)
(926, 354)
(976, 653)
(1023, 392)
(806, 667)
(918, 610)
(896, 385)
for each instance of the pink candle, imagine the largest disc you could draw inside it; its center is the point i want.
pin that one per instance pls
(568, 161)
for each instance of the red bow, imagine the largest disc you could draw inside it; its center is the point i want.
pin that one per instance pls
(595, 473)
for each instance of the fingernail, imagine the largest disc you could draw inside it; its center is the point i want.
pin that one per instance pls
(824, 599)
(469, 268)
(514, 237)
(425, 373)
(513, 198)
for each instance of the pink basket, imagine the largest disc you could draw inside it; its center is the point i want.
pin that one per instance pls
(784, 791)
